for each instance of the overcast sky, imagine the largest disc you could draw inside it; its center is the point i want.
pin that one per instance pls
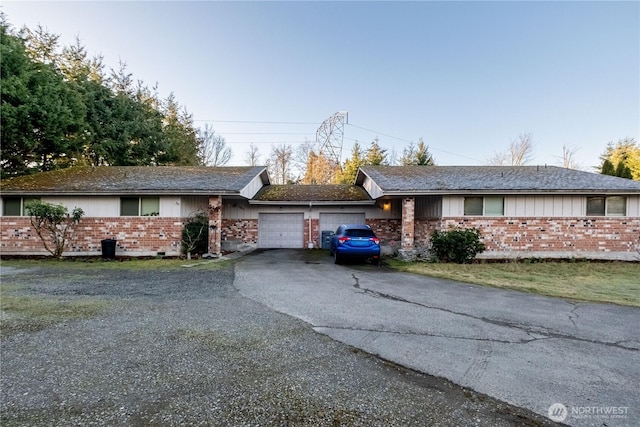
(467, 77)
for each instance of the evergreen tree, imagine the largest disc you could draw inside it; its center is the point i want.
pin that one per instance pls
(624, 159)
(350, 169)
(376, 155)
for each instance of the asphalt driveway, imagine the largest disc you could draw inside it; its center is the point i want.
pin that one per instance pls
(181, 347)
(524, 349)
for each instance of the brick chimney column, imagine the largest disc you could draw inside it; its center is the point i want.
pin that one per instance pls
(408, 223)
(215, 224)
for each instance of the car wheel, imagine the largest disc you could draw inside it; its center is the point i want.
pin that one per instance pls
(336, 258)
(375, 261)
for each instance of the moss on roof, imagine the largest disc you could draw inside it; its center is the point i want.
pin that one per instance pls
(127, 179)
(319, 193)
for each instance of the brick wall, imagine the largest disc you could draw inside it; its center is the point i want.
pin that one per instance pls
(244, 230)
(590, 234)
(386, 229)
(136, 236)
(408, 223)
(315, 232)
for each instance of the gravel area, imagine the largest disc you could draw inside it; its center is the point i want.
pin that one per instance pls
(182, 347)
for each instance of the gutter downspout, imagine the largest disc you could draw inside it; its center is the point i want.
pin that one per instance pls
(310, 242)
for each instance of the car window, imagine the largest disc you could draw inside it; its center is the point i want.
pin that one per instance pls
(357, 232)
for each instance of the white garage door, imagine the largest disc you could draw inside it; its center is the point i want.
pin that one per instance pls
(280, 230)
(331, 221)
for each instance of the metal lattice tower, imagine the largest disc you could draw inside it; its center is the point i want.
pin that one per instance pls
(330, 135)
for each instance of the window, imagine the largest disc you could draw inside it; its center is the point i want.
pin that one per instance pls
(494, 206)
(487, 206)
(473, 205)
(14, 206)
(609, 206)
(616, 206)
(139, 206)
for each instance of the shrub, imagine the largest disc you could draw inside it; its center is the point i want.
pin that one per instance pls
(195, 234)
(53, 224)
(456, 245)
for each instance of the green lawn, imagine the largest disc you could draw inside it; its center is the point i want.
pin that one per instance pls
(611, 282)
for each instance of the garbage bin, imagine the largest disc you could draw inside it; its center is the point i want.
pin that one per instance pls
(326, 239)
(108, 248)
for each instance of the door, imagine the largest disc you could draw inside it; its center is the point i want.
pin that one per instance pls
(280, 230)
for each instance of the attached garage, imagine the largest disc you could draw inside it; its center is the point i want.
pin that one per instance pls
(331, 221)
(281, 230)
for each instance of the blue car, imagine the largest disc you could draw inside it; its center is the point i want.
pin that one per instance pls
(355, 241)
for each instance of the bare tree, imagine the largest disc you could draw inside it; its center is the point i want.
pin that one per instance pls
(568, 157)
(252, 157)
(520, 152)
(280, 163)
(303, 155)
(212, 148)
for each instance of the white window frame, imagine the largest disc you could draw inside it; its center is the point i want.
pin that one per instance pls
(484, 206)
(23, 201)
(140, 199)
(607, 204)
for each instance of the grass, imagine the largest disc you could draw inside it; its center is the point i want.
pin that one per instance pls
(603, 282)
(21, 313)
(141, 264)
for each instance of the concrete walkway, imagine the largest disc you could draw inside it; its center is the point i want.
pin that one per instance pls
(527, 350)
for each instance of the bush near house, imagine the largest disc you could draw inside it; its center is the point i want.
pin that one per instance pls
(457, 245)
(195, 234)
(53, 224)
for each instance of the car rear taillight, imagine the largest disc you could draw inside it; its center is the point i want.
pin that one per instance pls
(343, 239)
(375, 240)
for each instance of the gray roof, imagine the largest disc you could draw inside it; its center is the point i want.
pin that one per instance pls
(103, 180)
(500, 179)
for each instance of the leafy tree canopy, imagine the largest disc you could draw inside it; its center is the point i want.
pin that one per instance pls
(60, 108)
(621, 159)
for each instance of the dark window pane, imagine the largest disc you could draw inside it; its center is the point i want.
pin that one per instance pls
(473, 205)
(12, 206)
(595, 206)
(129, 206)
(359, 233)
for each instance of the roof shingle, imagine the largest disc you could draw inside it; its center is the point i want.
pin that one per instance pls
(306, 193)
(442, 179)
(134, 180)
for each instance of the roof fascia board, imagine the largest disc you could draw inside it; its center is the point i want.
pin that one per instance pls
(512, 192)
(121, 193)
(312, 202)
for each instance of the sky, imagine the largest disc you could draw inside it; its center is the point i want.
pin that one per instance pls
(466, 77)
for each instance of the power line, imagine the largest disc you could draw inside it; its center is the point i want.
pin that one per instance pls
(257, 122)
(431, 147)
(267, 133)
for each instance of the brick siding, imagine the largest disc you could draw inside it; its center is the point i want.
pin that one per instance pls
(533, 234)
(135, 236)
(386, 229)
(243, 230)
